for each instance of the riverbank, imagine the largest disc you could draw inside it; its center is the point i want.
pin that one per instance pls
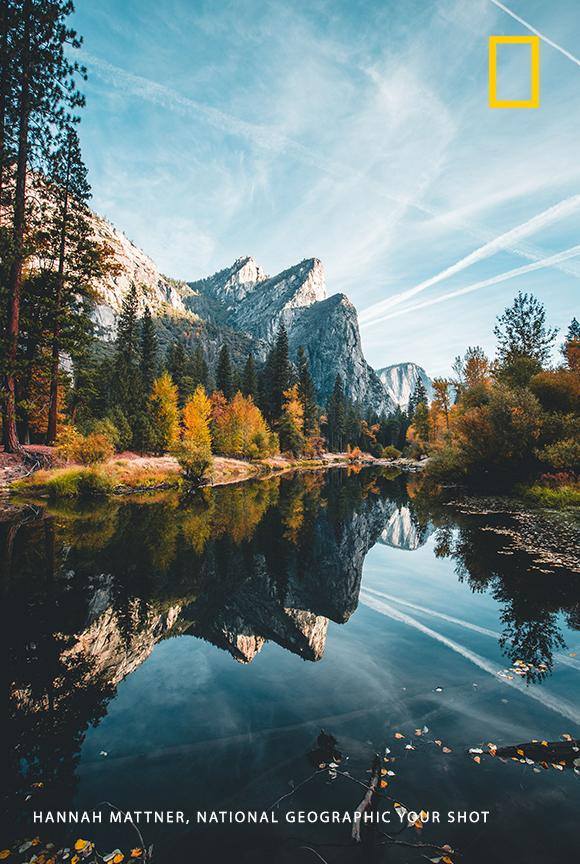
(130, 473)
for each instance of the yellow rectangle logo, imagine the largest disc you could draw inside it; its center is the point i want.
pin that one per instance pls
(534, 100)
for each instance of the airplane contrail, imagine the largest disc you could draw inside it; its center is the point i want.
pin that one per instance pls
(536, 32)
(550, 261)
(373, 314)
(484, 631)
(553, 703)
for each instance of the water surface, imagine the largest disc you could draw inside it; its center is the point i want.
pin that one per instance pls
(184, 653)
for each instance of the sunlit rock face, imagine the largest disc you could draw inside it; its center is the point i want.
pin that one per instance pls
(400, 381)
(403, 532)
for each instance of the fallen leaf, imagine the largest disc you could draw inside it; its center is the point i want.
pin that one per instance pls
(384, 784)
(477, 759)
(136, 853)
(566, 737)
(424, 730)
(446, 860)
(520, 752)
(447, 750)
(544, 743)
(475, 750)
(4, 854)
(418, 825)
(438, 742)
(399, 735)
(418, 732)
(81, 844)
(409, 747)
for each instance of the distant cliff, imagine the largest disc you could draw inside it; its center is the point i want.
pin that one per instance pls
(400, 381)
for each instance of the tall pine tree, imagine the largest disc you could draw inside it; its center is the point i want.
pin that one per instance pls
(250, 379)
(307, 394)
(223, 376)
(336, 417)
(149, 351)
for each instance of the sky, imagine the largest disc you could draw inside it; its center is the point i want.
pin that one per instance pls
(354, 131)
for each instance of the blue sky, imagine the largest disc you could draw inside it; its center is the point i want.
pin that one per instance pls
(356, 132)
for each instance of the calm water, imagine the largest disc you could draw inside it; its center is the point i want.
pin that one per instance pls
(184, 654)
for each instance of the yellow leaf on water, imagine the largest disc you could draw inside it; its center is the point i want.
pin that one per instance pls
(447, 860)
(81, 844)
(399, 735)
(520, 752)
(384, 784)
(477, 759)
(423, 814)
(383, 771)
(544, 743)
(74, 859)
(4, 854)
(136, 853)
(118, 858)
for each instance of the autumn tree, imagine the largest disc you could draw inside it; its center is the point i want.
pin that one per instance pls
(441, 402)
(571, 346)
(165, 412)
(291, 423)
(196, 418)
(239, 429)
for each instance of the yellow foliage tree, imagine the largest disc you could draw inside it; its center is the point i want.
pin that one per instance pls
(239, 429)
(196, 418)
(165, 412)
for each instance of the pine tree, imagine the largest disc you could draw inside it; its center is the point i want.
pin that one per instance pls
(199, 371)
(521, 331)
(336, 417)
(307, 395)
(278, 375)
(250, 379)
(418, 395)
(38, 95)
(78, 259)
(148, 352)
(224, 373)
(571, 347)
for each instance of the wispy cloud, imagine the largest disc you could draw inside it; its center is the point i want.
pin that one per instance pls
(533, 30)
(548, 700)
(550, 261)
(377, 312)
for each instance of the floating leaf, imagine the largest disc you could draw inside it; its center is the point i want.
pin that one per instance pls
(4, 854)
(447, 750)
(409, 747)
(566, 737)
(557, 767)
(477, 759)
(136, 853)
(418, 825)
(475, 750)
(383, 771)
(392, 773)
(80, 845)
(438, 742)
(418, 732)
(399, 735)
(384, 784)
(446, 860)
(520, 752)
(118, 858)
(544, 743)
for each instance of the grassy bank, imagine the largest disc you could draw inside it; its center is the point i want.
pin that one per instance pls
(566, 495)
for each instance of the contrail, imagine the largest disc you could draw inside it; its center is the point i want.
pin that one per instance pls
(484, 631)
(373, 313)
(551, 261)
(540, 695)
(536, 32)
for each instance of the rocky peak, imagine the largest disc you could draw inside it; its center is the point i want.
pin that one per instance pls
(400, 381)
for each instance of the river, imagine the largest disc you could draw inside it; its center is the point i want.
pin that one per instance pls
(183, 653)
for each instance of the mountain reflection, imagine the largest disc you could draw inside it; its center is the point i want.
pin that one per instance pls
(91, 588)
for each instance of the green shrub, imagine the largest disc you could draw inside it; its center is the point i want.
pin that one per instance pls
(65, 483)
(446, 466)
(94, 482)
(561, 496)
(390, 452)
(107, 427)
(195, 461)
(564, 455)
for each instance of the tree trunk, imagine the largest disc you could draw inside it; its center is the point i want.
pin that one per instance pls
(15, 279)
(3, 93)
(54, 364)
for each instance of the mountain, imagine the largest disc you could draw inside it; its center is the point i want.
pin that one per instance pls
(400, 380)
(243, 307)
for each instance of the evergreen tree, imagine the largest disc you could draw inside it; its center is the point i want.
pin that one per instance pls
(277, 376)
(77, 259)
(126, 383)
(37, 95)
(250, 379)
(336, 417)
(224, 373)
(571, 347)
(418, 395)
(149, 350)
(521, 331)
(307, 395)
(199, 372)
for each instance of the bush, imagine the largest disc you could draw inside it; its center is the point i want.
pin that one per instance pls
(195, 461)
(446, 466)
(94, 448)
(107, 427)
(560, 496)
(390, 452)
(68, 483)
(564, 455)
(67, 442)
